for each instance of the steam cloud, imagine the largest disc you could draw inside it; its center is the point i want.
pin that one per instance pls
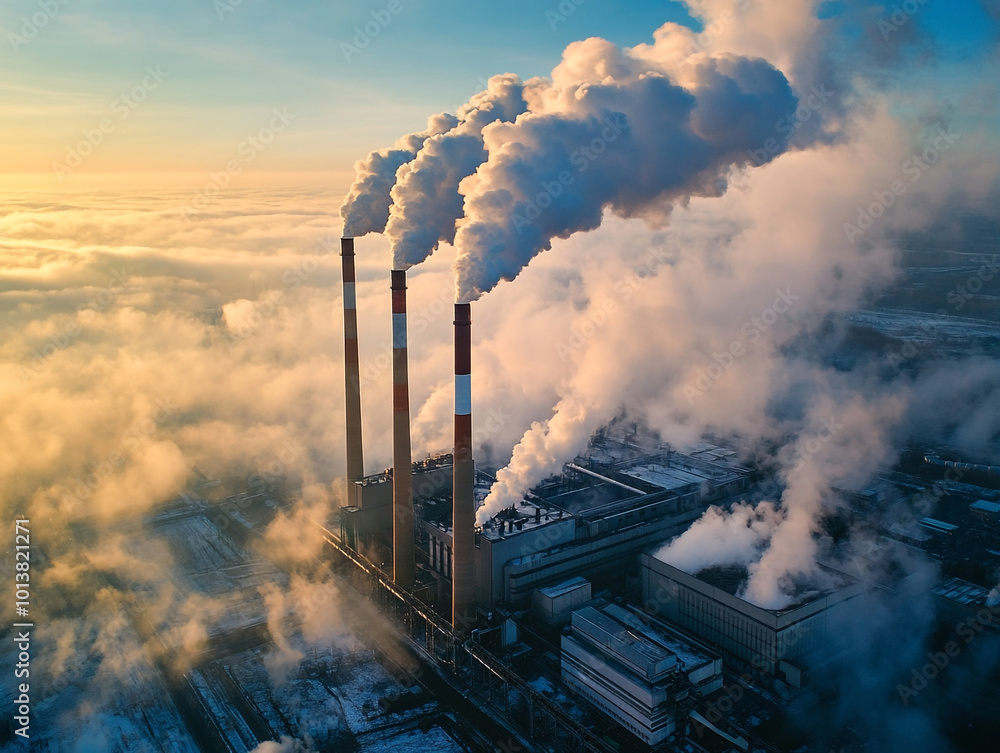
(613, 131)
(366, 207)
(735, 537)
(426, 202)
(584, 335)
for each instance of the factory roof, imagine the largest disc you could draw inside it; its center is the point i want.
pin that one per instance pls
(619, 640)
(687, 655)
(714, 454)
(663, 476)
(564, 588)
(635, 642)
(967, 594)
(986, 506)
(515, 520)
(826, 585)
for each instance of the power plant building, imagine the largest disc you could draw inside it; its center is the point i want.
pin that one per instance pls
(368, 522)
(638, 674)
(592, 521)
(784, 643)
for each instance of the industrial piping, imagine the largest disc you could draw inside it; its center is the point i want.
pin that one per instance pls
(463, 594)
(352, 373)
(402, 463)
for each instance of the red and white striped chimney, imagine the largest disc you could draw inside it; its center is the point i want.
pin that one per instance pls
(352, 372)
(463, 586)
(402, 462)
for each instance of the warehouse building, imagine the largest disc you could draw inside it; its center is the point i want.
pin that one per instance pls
(637, 673)
(784, 643)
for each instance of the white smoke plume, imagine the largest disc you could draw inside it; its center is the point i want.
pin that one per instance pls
(426, 202)
(782, 225)
(613, 131)
(366, 207)
(733, 537)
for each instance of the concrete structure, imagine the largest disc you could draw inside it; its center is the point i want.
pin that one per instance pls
(554, 604)
(633, 671)
(352, 371)
(403, 564)
(986, 510)
(584, 523)
(784, 643)
(463, 515)
(970, 606)
(369, 521)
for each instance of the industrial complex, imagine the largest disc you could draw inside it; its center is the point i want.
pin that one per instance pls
(559, 604)
(556, 623)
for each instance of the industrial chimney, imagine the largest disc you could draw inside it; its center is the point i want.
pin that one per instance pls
(463, 593)
(402, 468)
(352, 373)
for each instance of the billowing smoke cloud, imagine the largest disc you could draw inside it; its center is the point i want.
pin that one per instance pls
(704, 282)
(733, 537)
(426, 202)
(841, 440)
(366, 207)
(182, 354)
(613, 132)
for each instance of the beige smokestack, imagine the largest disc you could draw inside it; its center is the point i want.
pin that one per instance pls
(352, 373)
(402, 462)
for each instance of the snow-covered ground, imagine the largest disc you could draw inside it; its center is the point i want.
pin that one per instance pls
(96, 686)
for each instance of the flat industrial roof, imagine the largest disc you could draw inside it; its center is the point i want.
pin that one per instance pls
(963, 592)
(565, 587)
(666, 477)
(986, 506)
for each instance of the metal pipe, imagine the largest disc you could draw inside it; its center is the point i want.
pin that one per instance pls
(579, 469)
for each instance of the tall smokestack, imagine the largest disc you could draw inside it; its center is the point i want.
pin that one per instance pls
(352, 372)
(463, 501)
(402, 468)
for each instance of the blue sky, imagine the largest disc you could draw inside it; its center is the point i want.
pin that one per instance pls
(230, 64)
